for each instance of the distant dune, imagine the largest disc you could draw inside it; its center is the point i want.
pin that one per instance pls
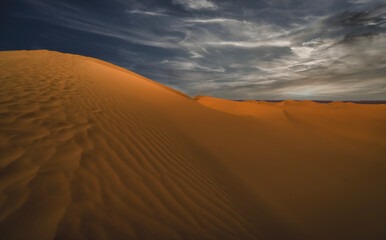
(89, 150)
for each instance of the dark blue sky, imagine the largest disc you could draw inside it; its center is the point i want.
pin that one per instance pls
(245, 49)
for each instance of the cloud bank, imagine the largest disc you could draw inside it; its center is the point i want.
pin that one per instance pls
(326, 50)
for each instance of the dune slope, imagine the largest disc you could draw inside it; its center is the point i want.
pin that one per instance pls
(89, 150)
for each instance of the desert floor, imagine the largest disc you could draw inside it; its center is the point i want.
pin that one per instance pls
(89, 150)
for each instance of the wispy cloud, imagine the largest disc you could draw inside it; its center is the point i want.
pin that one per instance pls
(240, 49)
(196, 4)
(213, 20)
(141, 12)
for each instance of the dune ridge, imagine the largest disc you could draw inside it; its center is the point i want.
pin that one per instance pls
(89, 150)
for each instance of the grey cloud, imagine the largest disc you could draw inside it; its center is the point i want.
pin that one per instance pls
(137, 11)
(240, 49)
(196, 4)
(351, 25)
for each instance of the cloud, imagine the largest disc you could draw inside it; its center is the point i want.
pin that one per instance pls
(81, 20)
(279, 43)
(360, 1)
(242, 50)
(141, 12)
(190, 66)
(357, 24)
(212, 20)
(196, 4)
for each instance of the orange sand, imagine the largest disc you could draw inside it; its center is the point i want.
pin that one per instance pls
(89, 150)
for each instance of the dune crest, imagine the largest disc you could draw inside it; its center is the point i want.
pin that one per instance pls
(89, 150)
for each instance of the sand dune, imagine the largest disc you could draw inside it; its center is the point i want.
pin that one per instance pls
(89, 150)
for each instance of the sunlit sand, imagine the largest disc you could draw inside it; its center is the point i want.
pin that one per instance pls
(89, 150)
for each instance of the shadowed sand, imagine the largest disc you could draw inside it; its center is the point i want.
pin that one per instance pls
(89, 150)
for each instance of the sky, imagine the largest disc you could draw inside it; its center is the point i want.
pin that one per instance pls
(244, 49)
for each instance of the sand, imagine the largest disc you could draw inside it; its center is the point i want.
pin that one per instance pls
(89, 150)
